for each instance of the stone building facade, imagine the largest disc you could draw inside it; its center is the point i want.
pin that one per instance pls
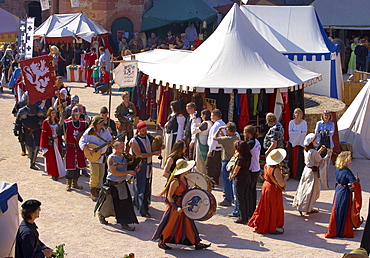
(112, 15)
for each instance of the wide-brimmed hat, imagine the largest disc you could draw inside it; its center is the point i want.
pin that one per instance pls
(183, 166)
(97, 120)
(275, 157)
(309, 138)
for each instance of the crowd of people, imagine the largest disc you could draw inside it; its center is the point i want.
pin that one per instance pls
(359, 54)
(201, 142)
(188, 40)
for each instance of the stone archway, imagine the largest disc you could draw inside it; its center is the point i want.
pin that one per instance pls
(34, 10)
(122, 24)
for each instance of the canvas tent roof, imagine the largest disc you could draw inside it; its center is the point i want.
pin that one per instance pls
(166, 12)
(303, 35)
(8, 27)
(354, 125)
(235, 56)
(296, 32)
(9, 216)
(64, 27)
(341, 14)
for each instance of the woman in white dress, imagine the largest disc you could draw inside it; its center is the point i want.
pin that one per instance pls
(308, 190)
(201, 131)
(297, 133)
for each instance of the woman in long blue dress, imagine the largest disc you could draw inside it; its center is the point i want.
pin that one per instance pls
(341, 223)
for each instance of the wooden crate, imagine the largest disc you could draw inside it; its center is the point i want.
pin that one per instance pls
(350, 91)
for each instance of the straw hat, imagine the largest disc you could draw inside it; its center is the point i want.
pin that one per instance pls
(183, 166)
(309, 138)
(275, 157)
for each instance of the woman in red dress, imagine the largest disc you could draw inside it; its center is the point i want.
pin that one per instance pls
(174, 226)
(50, 144)
(269, 214)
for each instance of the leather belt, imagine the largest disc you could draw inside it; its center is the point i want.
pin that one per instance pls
(342, 185)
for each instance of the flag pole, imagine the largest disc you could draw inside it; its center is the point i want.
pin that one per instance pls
(110, 89)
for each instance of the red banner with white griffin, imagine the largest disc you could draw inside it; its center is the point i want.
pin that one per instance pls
(39, 78)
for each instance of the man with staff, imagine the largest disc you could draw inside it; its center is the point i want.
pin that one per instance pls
(141, 145)
(126, 113)
(94, 142)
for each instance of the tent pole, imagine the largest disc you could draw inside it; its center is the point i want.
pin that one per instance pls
(110, 92)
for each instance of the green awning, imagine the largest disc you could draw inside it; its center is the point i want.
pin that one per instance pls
(166, 12)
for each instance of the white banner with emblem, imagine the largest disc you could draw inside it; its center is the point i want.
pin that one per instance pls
(25, 37)
(125, 74)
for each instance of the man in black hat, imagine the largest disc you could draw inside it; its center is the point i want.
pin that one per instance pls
(27, 242)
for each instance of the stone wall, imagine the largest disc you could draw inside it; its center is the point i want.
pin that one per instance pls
(103, 12)
(313, 113)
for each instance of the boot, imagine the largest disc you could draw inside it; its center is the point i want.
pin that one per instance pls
(69, 183)
(93, 194)
(33, 158)
(102, 219)
(23, 146)
(98, 191)
(75, 185)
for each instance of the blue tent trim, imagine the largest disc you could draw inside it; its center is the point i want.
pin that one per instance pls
(8, 192)
(319, 56)
(330, 45)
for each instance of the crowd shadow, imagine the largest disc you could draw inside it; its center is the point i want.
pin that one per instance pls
(223, 237)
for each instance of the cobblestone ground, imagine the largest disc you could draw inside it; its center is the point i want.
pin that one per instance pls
(67, 217)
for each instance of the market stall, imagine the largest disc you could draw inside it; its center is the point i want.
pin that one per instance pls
(234, 70)
(70, 28)
(8, 27)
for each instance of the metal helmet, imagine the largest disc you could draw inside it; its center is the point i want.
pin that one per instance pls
(25, 97)
(75, 110)
(75, 99)
(41, 112)
(22, 113)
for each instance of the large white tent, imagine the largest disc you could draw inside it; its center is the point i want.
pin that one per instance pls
(354, 125)
(66, 27)
(344, 14)
(9, 217)
(235, 56)
(296, 32)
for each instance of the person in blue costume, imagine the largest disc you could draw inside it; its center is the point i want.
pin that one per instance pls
(343, 218)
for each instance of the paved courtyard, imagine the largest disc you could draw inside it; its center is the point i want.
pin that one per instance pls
(67, 217)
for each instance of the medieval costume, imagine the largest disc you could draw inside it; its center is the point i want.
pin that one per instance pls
(98, 136)
(269, 214)
(174, 226)
(30, 123)
(74, 158)
(143, 179)
(342, 215)
(118, 194)
(51, 145)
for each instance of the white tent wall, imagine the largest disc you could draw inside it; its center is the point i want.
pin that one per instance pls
(324, 67)
(354, 125)
(9, 223)
(303, 37)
